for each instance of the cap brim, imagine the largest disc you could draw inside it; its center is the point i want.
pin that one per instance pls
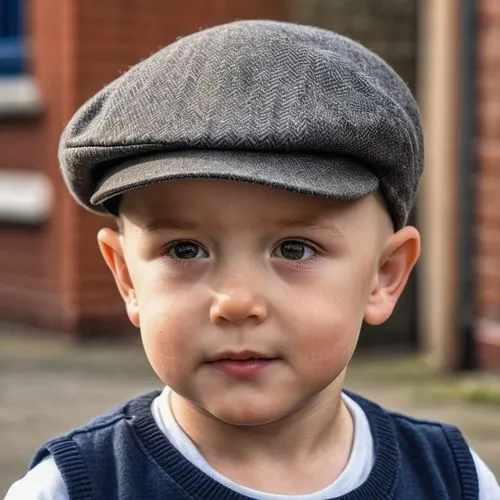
(337, 177)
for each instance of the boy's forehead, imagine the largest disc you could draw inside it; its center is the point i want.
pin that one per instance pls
(189, 203)
(189, 194)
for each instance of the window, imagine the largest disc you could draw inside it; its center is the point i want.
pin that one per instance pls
(18, 92)
(25, 197)
(12, 47)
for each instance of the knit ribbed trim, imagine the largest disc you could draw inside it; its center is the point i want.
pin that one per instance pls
(384, 476)
(465, 463)
(380, 484)
(70, 463)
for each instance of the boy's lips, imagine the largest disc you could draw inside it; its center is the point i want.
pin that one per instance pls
(240, 356)
(242, 363)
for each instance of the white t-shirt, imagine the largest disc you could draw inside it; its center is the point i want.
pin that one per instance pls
(44, 482)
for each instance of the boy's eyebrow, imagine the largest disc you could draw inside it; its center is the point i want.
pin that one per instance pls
(311, 222)
(170, 223)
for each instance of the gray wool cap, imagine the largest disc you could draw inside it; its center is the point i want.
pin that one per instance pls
(288, 106)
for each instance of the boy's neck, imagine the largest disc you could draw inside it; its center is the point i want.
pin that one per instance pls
(299, 454)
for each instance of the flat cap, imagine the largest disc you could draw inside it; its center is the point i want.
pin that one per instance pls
(283, 105)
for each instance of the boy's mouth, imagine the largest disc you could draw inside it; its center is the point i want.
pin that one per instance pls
(240, 355)
(242, 363)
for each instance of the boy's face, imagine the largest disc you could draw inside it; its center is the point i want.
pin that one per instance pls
(250, 300)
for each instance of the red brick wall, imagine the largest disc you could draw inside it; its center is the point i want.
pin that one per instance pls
(488, 183)
(29, 257)
(53, 276)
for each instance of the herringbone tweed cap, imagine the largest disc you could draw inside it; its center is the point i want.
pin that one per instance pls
(288, 106)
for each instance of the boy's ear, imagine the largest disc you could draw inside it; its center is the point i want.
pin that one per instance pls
(110, 245)
(399, 255)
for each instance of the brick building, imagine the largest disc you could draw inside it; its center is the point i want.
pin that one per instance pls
(56, 53)
(50, 272)
(487, 167)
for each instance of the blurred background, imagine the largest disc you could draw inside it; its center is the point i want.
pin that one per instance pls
(66, 348)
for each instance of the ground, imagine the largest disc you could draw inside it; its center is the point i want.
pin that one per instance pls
(48, 386)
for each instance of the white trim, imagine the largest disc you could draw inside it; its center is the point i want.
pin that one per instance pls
(488, 331)
(18, 94)
(26, 197)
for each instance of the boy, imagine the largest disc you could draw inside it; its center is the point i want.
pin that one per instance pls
(261, 175)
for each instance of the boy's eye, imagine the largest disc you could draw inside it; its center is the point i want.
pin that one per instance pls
(186, 250)
(294, 250)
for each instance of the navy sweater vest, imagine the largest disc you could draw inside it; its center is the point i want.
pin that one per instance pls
(124, 455)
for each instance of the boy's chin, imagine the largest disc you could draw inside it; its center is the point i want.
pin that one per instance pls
(248, 415)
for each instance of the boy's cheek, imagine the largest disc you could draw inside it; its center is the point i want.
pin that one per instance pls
(169, 355)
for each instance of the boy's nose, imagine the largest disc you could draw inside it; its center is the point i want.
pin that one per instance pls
(236, 307)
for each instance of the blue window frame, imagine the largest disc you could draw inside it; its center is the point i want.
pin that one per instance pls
(12, 46)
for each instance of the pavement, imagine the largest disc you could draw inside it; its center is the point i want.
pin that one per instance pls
(48, 385)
